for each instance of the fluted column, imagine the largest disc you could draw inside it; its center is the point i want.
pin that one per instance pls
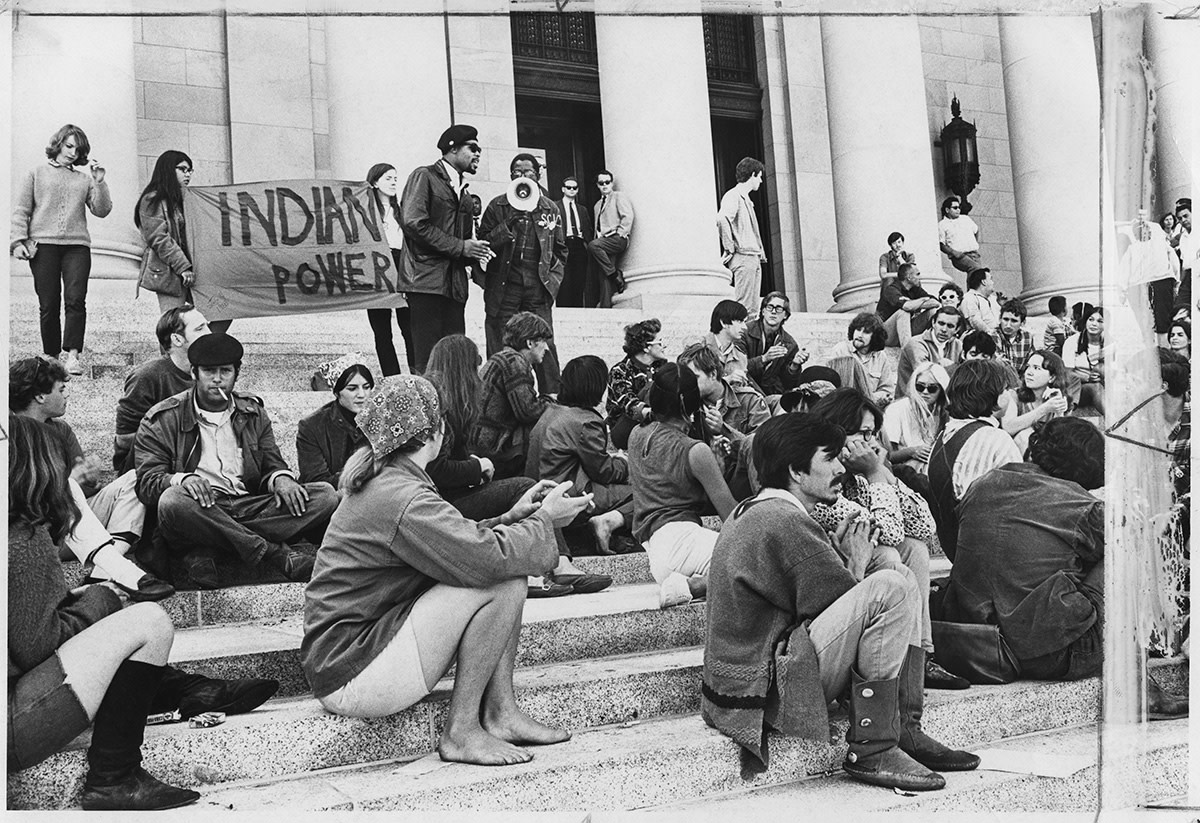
(80, 70)
(393, 107)
(1052, 96)
(658, 144)
(880, 147)
(1172, 46)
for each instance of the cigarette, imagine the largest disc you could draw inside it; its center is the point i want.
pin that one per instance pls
(224, 394)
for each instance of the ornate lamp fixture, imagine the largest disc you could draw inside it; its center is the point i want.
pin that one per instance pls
(960, 155)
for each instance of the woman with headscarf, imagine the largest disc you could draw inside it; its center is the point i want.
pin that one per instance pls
(327, 437)
(404, 585)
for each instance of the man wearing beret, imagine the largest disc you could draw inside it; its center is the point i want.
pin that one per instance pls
(207, 458)
(437, 216)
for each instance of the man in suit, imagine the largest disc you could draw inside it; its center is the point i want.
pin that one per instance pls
(579, 231)
(526, 270)
(614, 223)
(436, 214)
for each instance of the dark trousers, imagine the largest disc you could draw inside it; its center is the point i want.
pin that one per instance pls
(495, 498)
(243, 525)
(60, 277)
(535, 299)
(571, 292)
(603, 253)
(433, 317)
(1084, 657)
(385, 350)
(1162, 302)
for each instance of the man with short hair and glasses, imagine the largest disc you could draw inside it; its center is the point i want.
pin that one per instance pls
(579, 231)
(774, 357)
(614, 223)
(938, 344)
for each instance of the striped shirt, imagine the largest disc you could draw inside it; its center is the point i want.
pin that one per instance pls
(984, 450)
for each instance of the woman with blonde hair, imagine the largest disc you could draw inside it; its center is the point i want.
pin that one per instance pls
(912, 423)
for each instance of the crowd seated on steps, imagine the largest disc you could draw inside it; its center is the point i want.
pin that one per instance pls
(907, 471)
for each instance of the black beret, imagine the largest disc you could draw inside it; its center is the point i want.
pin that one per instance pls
(216, 349)
(456, 135)
(813, 373)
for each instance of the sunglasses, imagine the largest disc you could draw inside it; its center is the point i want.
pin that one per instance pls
(927, 387)
(570, 188)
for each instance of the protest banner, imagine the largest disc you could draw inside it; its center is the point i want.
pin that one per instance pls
(287, 247)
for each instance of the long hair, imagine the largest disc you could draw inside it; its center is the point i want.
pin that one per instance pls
(37, 479)
(1058, 375)
(1084, 316)
(929, 419)
(373, 175)
(674, 393)
(454, 369)
(164, 184)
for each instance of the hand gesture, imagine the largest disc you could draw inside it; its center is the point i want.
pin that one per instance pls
(923, 452)
(189, 277)
(801, 357)
(478, 250)
(775, 352)
(97, 171)
(722, 447)
(290, 495)
(487, 469)
(87, 471)
(861, 456)
(853, 541)
(1055, 403)
(713, 420)
(198, 489)
(530, 501)
(21, 251)
(563, 508)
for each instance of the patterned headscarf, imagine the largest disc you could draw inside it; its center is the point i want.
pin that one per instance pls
(400, 408)
(334, 369)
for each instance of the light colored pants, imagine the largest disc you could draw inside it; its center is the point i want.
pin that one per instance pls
(390, 683)
(869, 628)
(913, 554)
(747, 280)
(117, 506)
(90, 537)
(681, 547)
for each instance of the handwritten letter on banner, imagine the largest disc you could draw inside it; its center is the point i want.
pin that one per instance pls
(287, 247)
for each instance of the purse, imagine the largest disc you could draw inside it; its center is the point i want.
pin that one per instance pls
(155, 275)
(976, 651)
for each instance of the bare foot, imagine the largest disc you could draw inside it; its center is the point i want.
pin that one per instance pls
(517, 727)
(602, 527)
(481, 748)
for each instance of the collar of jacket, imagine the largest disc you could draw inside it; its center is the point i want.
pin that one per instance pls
(242, 404)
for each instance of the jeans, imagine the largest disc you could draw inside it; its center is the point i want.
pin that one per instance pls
(433, 317)
(60, 276)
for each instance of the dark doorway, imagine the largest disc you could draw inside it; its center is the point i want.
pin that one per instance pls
(733, 139)
(572, 136)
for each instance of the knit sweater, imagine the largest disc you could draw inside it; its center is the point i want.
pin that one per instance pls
(49, 206)
(773, 571)
(42, 613)
(150, 383)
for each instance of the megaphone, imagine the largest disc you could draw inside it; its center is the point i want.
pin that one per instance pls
(523, 194)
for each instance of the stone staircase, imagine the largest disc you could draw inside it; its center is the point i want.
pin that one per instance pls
(621, 674)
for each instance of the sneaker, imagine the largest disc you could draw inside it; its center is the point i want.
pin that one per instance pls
(70, 361)
(674, 591)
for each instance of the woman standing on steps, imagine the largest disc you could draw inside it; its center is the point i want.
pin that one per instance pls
(159, 216)
(404, 586)
(383, 181)
(49, 229)
(75, 659)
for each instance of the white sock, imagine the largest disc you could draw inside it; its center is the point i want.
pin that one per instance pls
(115, 565)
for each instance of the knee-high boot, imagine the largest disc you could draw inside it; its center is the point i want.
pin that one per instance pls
(874, 756)
(913, 740)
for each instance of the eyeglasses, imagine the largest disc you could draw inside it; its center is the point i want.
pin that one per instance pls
(774, 308)
(927, 388)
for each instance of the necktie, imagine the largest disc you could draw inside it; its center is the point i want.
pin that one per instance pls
(600, 211)
(572, 220)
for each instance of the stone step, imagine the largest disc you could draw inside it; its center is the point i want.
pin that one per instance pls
(289, 736)
(1162, 763)
(619, 620)
(642, 763)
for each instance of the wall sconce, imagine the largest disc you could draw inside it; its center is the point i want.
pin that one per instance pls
(959, 155)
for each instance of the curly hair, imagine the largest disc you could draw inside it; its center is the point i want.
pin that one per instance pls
(453, 368)
(31, 376)
(1069, 448)
(638, 335)
(37, 479)
(869, 322)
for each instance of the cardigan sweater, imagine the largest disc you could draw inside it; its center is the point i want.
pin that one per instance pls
(324, 442)
(49, 206)
(773, 571)
(387, 545)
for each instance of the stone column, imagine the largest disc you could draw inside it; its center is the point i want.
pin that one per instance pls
(80, 70)
(658, 144)
(393, 107)
(880, 146)
(1052, 96)
(1172, 46)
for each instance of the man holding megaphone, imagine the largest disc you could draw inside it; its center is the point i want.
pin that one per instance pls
(523, 228)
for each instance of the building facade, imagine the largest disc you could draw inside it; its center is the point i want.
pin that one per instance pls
(845, 111)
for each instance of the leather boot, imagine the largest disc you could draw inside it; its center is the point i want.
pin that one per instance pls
(1162, 704)
(116, 780)
(295, 565)
(874, 731)
(195, 694)
(913, 740)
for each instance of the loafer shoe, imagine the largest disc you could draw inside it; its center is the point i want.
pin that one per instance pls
(624, 544)
(582, 583)
(228, 696)
(938, 678)
(140, 791)
(202, 570)
(70, 362)
(618, 281)
(295, 565)
(149, 588)
(542, 587)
